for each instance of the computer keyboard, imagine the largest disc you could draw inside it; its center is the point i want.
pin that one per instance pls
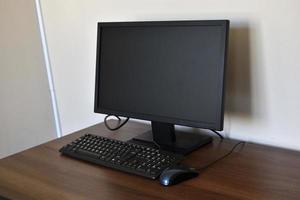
(132, 158)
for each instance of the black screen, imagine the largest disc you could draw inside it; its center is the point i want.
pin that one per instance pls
(163, 72)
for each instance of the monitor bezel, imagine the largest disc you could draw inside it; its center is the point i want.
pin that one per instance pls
(219, 121)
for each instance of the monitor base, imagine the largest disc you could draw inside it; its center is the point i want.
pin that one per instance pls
(185, 142)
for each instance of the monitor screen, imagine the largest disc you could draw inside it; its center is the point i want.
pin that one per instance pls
(169, 72)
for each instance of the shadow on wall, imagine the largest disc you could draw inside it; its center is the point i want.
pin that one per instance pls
(238, 97)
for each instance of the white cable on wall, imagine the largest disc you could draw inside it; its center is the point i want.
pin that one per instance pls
(48, 68)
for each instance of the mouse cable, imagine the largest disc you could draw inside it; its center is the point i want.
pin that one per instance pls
(222, 157)
(217, 133)
(115, 128)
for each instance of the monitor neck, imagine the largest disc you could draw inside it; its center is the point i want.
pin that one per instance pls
(163, 133)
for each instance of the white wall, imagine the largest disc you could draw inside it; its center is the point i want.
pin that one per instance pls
(263, 99)
(26, 117)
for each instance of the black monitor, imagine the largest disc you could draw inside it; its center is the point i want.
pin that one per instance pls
(168, 72)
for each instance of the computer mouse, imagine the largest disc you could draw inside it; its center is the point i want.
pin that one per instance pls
(176, 174)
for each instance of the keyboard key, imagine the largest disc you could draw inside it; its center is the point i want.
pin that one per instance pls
(87, 153)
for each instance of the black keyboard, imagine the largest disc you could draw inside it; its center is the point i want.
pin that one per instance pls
(132, 158)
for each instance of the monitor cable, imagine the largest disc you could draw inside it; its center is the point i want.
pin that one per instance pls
(222, 157)
(120, 124)
(217, 133)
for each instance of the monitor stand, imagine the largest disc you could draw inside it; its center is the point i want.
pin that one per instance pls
(165, 136)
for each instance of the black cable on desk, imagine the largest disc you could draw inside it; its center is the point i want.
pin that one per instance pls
(222, 157)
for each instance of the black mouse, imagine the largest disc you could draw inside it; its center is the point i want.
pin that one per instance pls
(176, 174)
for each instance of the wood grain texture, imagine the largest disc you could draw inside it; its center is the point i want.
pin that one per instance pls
(251, 172)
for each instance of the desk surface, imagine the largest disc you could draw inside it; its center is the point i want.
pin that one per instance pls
(251, 172)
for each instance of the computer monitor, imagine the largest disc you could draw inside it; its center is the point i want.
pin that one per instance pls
(167, 72)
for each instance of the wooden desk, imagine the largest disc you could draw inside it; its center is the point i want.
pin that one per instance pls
(252, 172)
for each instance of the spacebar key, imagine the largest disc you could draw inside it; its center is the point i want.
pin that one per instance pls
(87, 153)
